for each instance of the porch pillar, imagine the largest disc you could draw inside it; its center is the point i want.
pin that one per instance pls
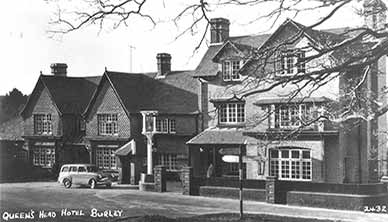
(149, 154)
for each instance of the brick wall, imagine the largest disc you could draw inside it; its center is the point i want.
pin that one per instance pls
(42, 104)
(107, 102)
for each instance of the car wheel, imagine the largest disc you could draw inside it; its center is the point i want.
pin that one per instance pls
(109, 185)
(67, 183)
(92, 184)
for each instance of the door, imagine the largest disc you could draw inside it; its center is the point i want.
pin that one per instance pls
(73, 172)
(83, 175)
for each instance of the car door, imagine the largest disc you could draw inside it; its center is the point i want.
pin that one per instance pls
(82, 175)
(73, 173)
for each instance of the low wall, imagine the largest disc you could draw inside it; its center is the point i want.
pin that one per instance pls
(233, 193)
(336, 200)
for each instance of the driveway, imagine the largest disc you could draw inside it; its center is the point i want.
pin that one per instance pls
(52, 197)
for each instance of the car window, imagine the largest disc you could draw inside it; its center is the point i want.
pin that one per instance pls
(92, 169)
(81, 169)
(73, 169)
(65, 169)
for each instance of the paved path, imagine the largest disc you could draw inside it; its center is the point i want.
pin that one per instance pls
(16, 197)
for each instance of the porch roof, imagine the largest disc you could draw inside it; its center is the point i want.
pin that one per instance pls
(126, 149)
(214, 136)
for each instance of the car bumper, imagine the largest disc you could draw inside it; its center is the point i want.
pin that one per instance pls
(104, 181)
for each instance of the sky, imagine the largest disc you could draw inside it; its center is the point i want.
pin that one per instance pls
(26, 48)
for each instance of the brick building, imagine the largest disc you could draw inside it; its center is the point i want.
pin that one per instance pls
(115, 125)
(262, 124)
(53, 123)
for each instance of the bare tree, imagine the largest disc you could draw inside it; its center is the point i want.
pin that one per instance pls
(358, 49)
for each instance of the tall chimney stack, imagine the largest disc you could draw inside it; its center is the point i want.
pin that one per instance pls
(164, 64)
(59, 69)
(219, 30)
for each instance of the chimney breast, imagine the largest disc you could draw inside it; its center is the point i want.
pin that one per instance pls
(59, 69)
(219, 30)
(164, 64)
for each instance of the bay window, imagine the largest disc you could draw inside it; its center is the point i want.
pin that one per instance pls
(43, 156)
(290, 164)
(105, 158)
(230, 113)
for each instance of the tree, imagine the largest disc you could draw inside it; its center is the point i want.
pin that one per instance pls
(359, 48)
(12, 104)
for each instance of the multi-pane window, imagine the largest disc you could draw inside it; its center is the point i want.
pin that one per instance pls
(230, 70)
(107, 124)
(232, 113)
(289, 116)
(292, 62)
(43, 156)
(290, 164)
(164, 125)
(105, 158)
(169, 160)
(43, 124)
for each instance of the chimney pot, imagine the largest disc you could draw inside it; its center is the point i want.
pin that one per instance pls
(59, 69)
(219, 30)
(163, 63)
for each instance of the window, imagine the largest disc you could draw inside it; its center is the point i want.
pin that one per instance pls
(65, 169)
(164, 125)
(290, 164)
(43, 124)
(107, 124)
(105, 158)
(43, 156)
(73, 169)
(291, 116)
(292, 62)
(232, 113)
(230, 70)
(81, 169)
(169, 160)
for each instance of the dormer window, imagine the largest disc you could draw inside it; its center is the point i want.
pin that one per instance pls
(231, 113)
(230, 70)
(292, 62)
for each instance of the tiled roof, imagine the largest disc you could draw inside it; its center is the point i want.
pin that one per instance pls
(208, 68)
(70, 94)
(322, 37)
(12, 129)
(228, 136)
(176, 93)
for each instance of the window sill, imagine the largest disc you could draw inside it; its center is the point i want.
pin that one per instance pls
(240, 125)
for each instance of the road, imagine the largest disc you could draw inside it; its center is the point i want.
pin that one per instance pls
(50, 196)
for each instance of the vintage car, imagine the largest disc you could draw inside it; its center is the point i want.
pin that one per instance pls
(83, 174)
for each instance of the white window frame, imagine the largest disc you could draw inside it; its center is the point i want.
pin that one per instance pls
(169, 160)
(43, 124)
(290, 168)
(232, 113)
(106, 120)
(287, 117)
(289, 62)
(43, 156)
(165, 125)
(230, 69)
